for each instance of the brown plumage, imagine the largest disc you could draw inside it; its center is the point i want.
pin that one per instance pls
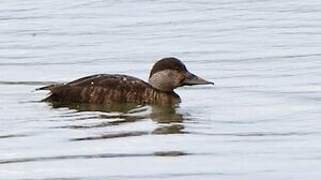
(170, 63)
(166, 75)
(108, 89)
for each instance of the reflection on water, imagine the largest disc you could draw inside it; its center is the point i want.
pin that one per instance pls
(123, 108)
(166, 115)
(168, 119)
(170, 129)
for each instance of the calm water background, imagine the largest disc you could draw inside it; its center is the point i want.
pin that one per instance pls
(260, 121)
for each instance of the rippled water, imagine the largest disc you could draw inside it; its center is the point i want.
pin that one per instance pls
(260, 121)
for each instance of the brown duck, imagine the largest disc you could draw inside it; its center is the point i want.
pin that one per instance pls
(166, 75)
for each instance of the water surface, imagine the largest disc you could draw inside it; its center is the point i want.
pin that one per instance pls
(260, 121)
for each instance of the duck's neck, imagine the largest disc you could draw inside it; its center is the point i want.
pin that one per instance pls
(165, 98)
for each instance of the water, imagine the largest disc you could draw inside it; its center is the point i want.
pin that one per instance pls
(260, 121)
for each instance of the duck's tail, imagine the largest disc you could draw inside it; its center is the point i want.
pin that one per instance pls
(50, 87)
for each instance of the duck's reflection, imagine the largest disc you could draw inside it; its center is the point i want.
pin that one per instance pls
(122, 108)
(169, 120)
(165, 114)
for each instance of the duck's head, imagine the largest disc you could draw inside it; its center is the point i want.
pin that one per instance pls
(170, 73)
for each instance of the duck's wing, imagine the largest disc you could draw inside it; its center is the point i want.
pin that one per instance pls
(108, 81)
(101, 88)
(79, 82)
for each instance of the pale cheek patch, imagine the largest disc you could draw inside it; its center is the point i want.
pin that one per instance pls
(165, 80)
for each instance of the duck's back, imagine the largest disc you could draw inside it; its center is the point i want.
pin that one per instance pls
(108, 89)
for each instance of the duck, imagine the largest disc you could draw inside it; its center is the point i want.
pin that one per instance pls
(166, 75)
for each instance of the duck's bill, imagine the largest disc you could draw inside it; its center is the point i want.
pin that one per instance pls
(192, 79)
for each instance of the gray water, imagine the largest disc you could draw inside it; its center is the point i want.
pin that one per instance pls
(261, 120)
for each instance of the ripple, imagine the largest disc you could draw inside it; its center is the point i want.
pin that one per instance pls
(156, 176)
(257, 134)
(12, 136)
(112, 135)
(117, 120)
(96, 156)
